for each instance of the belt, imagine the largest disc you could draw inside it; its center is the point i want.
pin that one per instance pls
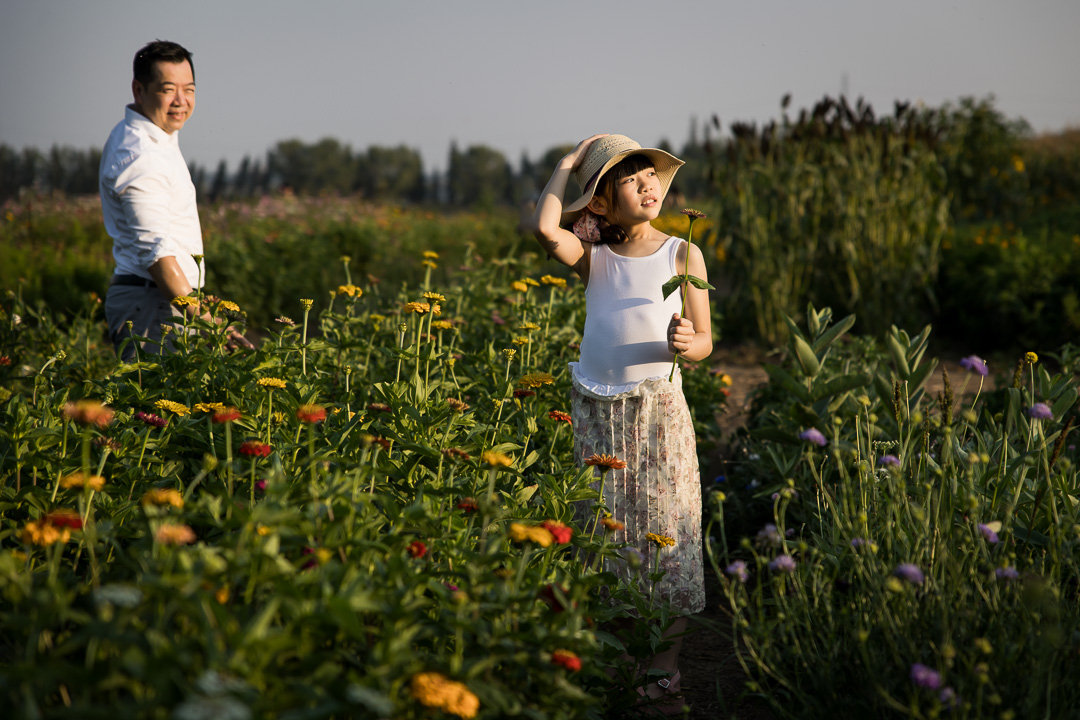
(132, 280)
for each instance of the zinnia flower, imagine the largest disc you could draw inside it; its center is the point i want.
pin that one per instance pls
(690, 212)
(182, 301)
(562, 533)
(612, 524)
(553, 281)
(975, 364)
(416, 549)
(350, 290)
(457, 405)
(64, 518)
(605, 462)
(535, 380)
(89, 412)
(782, 563)
(551, 597)
(44, 533)
(521, 394)
(531, 533)
(208, 407)
(174, 407)
(378, 407)
(430, 255)
(467, 505)
(925, 677)
(228, 305)
(456, 453)
(813, 435)
(271, 382)
(174, 534)
(78, 480)
(496, 459)
(559, 416)
(738, 571)
(438, 691)
(226, 414)
(660, 540)
(417, 307)
(311, 413)
(1040, 411)
(910, 573)
(163, 496)
(567, 659)
(254, 448)
(1031, 358)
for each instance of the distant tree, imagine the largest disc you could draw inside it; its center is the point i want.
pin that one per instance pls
(325, 166)
(480, 176)
(396, 173)
(220, 184)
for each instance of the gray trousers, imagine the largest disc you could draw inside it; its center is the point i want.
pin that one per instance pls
(147, 310)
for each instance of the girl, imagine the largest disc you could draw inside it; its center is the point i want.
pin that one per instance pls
(622, 402)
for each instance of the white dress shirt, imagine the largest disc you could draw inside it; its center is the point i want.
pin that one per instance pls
(148, 199)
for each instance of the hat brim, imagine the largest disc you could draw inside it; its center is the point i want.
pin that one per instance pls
(665, 164)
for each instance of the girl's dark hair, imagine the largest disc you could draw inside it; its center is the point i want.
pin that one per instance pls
(155, 52)
(614, 234)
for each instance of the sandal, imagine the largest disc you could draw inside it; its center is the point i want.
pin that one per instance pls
(671, 702)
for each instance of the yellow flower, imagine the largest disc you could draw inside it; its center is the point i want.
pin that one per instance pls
(531, 533)
(174, 534)
(435, 690)
(350, 290)
(43, 534)
(1018, 164)
(272, 382)
(1031, 358)
(519, 286)
(185, 301)
(984, 646)
(306, 303)
(521, 341)
(457, 405)
(222, 595)
(509, 353)
(429, 264)
(442, 325)
(163, 496)
(431, 255)
(376, 318)
(172, 407)
(535, 380)
(419, 308)
(725, 380)
(209, 407)
(553, 281)
(660, 540)
(323, 555)
(78, 480)
(228, 305)
(434, 297)
(496, 459)
(530, 281)
(528, 326)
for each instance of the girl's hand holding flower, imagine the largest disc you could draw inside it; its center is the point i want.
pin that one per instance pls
(680, 335)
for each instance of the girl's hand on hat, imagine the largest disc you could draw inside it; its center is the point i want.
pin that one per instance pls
(575, 156)
(680, 334)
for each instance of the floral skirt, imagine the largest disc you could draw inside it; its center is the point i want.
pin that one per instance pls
(658, 492)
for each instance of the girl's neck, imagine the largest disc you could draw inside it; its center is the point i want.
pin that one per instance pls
(643, 232)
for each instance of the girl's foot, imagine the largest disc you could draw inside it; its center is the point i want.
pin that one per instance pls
(664, 695)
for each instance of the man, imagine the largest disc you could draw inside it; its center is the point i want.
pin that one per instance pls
(148, 204)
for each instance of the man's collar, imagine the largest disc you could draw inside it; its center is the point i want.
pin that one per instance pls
(136, 119)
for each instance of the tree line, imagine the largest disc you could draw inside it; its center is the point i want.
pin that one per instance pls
(476, 176)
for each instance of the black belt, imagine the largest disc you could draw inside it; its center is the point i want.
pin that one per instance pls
(132, 280)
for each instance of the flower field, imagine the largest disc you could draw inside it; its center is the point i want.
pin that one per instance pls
(368, 516)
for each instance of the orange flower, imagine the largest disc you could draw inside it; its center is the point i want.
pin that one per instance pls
(612, 524)
(559, 416)
(163, 496)
(311, 413)
(605, 462)
(567, 659)
(78, 480)
(531, 533)
(173, 534)
(457, 405)
(226, 414)
(562, 533)
(44, 533)
(496, 459)
(64, 518)
(89, 412)
(416, 549)
(467, 505)
(456, 453)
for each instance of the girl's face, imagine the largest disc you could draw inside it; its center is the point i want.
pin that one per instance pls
(637, 198)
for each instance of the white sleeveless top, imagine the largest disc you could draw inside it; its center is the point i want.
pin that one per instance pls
(626, 319)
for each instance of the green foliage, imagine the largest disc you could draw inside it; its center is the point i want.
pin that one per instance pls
(939, 532)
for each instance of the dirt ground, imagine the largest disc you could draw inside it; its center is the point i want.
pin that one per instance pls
(709, 666)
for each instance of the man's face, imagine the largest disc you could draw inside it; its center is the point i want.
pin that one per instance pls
(169, 99)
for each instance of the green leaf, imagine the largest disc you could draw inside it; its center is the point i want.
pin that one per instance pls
(784, 379)
(699, 283)
(899, 357)
(830, 336)
(1063, 403)
(672, 285)
(775, 434)
(837, 385)
(809, 362)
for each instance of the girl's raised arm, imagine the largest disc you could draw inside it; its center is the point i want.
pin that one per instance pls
(561, 244)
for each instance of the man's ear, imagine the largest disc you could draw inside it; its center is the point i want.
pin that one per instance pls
(597, 206)
(137, 92)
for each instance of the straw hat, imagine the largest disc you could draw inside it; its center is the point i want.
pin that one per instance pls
(605, 153)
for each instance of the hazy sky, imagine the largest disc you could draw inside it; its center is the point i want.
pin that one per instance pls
(520, 76)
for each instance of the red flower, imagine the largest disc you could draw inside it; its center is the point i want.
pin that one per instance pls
(547, 594)
(151, 419)
(378, 407)
(376, 440)
(559, 416)
(417, 549)
(567, 659)
(311, 413)
(605, 462)
(523, 393)
(227, 414)
(65, 518)
(458, 453)
(89, 412)
(254, 448)
(468, 505)
(560, 532)
(5, 360)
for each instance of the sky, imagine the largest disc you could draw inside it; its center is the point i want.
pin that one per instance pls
(521, 77)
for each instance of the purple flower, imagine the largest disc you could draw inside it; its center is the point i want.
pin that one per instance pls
(738, 571)
(909, 572)
(1006, 573)
(988, 534)
(768, 535)
(857, 543)
(925, 677)
(813, 435)
(974, 364)
(1040, 411)
(632, 556)
(782, 563)
(260, 485)
(948, 697)
(888, 460)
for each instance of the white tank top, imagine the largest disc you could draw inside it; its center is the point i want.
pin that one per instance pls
(626, 319)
